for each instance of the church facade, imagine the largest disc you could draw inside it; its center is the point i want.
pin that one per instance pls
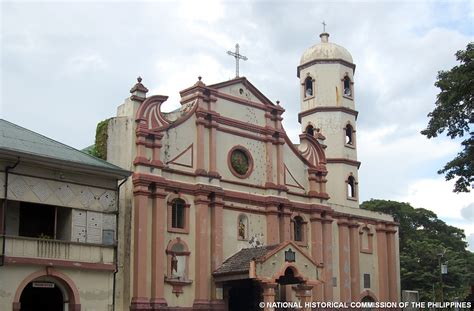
(223, 211)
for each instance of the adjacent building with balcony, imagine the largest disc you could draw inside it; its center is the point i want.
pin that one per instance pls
(58, 224)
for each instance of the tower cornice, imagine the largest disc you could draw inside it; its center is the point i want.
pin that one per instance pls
(325, 61)
(327, 109)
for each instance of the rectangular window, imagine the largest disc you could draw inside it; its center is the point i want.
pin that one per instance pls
(108, 237)
(177, 220)
(366, 280)
(178, 216)
(298, 233)
(334, 282)
(37, 220)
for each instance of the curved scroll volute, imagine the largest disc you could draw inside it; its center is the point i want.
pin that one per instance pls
(312, 150)
(149, 114)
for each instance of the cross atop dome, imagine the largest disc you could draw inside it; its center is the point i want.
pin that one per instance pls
(324, 35)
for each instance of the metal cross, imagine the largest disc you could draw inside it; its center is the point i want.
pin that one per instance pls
(324, 26)
(237, 58)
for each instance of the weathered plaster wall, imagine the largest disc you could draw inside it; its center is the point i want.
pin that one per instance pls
(95, 288)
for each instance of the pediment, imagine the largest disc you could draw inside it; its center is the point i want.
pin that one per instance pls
(241, 88)
(287, 258)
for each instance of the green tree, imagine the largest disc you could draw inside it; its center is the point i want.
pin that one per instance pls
(425, 242)
(454, 114)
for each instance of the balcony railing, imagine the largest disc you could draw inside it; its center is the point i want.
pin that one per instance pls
(25, 247)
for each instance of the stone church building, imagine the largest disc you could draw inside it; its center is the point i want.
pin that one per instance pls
(223, 211)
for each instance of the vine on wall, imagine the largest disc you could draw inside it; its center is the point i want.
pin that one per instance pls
(99, 149)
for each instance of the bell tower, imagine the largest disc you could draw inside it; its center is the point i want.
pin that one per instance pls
(326, 74)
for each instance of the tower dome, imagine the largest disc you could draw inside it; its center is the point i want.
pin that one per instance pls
(325, 50)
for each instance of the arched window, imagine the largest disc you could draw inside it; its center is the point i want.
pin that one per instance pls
(178, 216)
(242, 227)
(349, 140)
(310, 130)
(351, 187)
(347, 86)
(308, 87)
(298, 228)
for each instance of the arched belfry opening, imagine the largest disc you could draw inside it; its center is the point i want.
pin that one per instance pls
(347, 86)
(310, 130)
(351, 187)
(308, 87)
(349, 135)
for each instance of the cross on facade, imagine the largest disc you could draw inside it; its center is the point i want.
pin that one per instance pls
(324, 26)
(237, 57)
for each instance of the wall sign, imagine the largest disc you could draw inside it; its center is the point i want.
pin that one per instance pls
(43, 285)
(290, 255)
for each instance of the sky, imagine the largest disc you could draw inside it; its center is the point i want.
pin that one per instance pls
(67, 65)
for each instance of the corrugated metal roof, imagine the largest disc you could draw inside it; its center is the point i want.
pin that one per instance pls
(19, 139)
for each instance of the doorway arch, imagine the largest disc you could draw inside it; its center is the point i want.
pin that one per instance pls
(63, 291)
(42, 294)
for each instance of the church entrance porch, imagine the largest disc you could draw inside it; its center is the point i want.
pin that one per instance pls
(268, 278)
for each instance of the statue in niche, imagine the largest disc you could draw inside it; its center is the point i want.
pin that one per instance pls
(241, 228)
(174, 265)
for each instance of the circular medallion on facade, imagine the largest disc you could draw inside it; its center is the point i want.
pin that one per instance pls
(240, 162)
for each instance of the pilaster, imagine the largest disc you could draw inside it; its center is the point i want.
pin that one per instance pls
(354, 259)
(273, 230)
(392, 264)
(344, 263)
(157, 249)
(382, 262)
(202, 274)
(327, 257)
(140, 299)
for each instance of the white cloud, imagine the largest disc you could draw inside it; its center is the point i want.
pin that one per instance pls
(437, 195)
(467, 212)
(393, 156)
(174, 81)
(402, 145)
(470, 241)
(208, 11)
(84, 63)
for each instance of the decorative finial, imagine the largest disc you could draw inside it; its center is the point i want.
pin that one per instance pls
(199, 78)
(278, 102)
(324, 26)
(139, 87)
